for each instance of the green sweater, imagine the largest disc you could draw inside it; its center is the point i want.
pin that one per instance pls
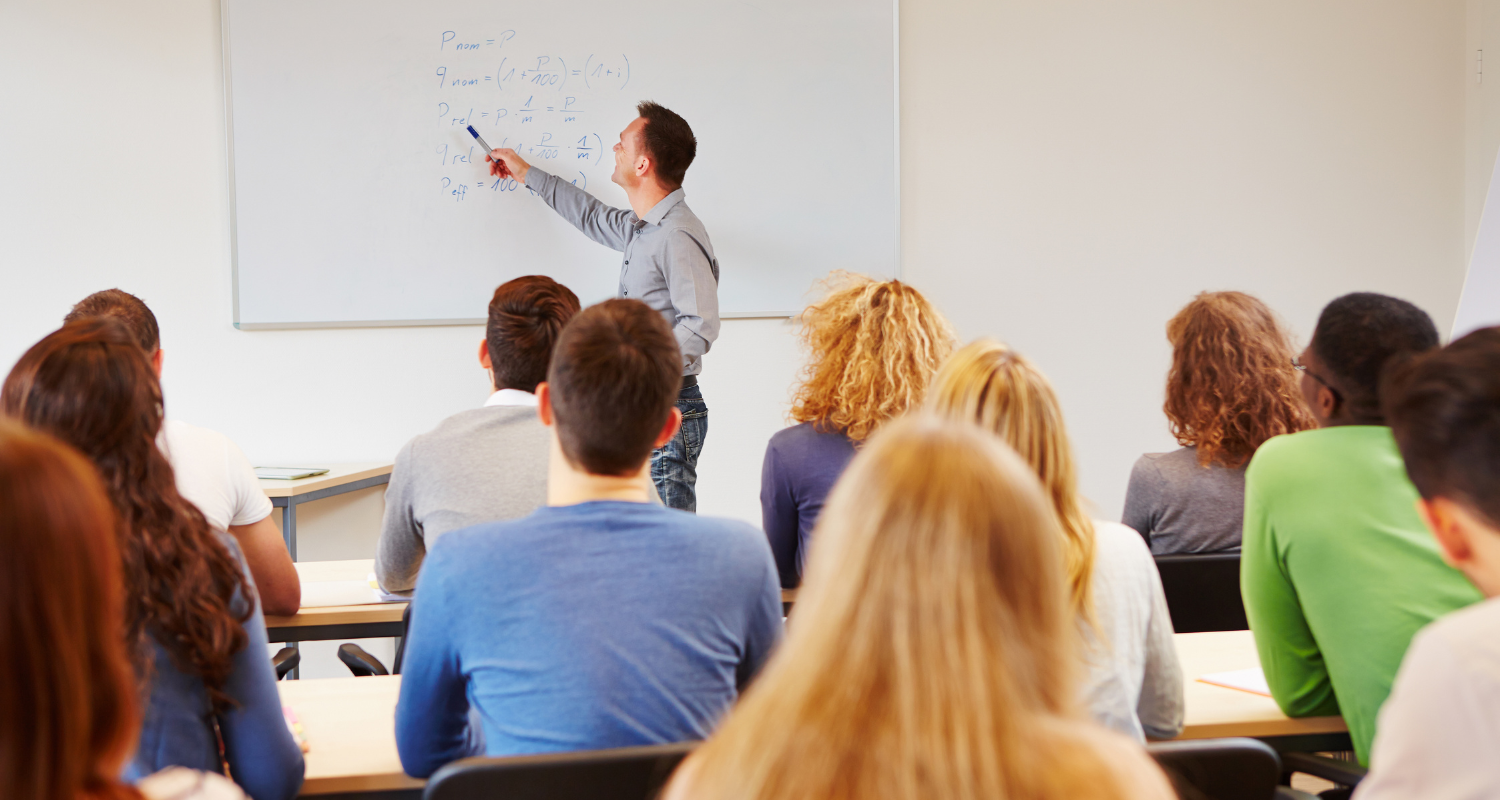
(1338, 572)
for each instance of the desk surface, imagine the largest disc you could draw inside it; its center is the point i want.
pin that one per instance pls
(1215, 711)
(355, 570)
(337, 475)
(350, 722)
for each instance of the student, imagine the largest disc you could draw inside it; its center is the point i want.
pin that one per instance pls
(68, 713)
(873, 347)
(1231, 387)
(601, 620)
(933, 652)
(1338, 571)
(486, 463)
(1134, 683)
(191, 620)
(1440, 727)
(212, 473)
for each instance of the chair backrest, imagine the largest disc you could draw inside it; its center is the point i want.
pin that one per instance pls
(1203, 592)
(1219, 769)
(629, 773)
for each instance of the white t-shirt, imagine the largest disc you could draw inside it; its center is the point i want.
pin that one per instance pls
(214, 475)
(179, 783)
(1134, 683)
(1439, 730)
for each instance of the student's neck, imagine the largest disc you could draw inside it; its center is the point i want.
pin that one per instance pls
(568, 486)
(645, 196)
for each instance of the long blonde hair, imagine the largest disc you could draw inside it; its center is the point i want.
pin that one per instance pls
(931, 653)
(873, 347)
(998, 388)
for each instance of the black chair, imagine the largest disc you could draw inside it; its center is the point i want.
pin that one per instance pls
(1203, 592)
(1223, 769)
(1345, 775)
(630, 773)
(363, 665)
(285, 660)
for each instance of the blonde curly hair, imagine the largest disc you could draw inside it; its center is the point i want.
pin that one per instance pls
(873, 348)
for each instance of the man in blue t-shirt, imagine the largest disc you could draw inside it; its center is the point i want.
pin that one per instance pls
(600, 620)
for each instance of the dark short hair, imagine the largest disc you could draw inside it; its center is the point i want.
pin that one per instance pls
(669, 141)
(125, 307)
(1358, 335)
(526, 317)
(615, 376)
(1444, 408)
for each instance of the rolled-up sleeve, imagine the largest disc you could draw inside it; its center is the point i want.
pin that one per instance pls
(693, 284)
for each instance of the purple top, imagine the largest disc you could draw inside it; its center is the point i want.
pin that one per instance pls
(802, 465)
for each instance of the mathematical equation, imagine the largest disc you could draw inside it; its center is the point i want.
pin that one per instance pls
(535, 103)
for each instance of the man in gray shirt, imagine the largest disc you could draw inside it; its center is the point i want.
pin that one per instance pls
(485, 464)
(668, 264)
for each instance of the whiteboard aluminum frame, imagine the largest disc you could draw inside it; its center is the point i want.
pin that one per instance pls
(234, 249)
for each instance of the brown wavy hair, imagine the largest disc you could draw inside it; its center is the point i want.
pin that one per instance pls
(873, 348)
(1232, 385)
(90, 385)
(68, 712)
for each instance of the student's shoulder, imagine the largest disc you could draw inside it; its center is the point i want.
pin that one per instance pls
(716, 533)
(1292, 457)
(809, 436)
(465, 427)
(1119, 541)
(1091, 762)
(185, 440)
(1467, 639)
(478, 547)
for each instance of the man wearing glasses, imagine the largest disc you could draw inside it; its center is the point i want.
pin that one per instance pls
(1338, 571)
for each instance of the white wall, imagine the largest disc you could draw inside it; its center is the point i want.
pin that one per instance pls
(1073, 171)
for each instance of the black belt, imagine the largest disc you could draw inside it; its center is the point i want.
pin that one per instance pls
(689, 380)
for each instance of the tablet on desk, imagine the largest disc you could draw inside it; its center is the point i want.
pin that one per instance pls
(287, 473)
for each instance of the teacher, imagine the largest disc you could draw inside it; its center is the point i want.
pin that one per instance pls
(668, 264)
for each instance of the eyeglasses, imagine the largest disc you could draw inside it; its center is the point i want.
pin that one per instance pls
(1301, 367)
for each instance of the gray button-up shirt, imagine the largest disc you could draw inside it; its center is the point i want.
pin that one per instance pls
(669, 263)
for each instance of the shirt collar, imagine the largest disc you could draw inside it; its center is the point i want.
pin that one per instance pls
(659, 211)
(511, 397)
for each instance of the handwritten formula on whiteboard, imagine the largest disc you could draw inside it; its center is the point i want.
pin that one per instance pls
(535, 103)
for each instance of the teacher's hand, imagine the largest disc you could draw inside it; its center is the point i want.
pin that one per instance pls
(506, 163)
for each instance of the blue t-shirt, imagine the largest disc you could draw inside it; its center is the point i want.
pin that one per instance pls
(177, 724)
(802, 465)
(603, 624)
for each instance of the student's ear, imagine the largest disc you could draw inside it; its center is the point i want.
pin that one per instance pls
(674, 421)
(544, 403)
(1328, 402)
(642, 166)
(484, 354)
(1441, 516)
(156, 359)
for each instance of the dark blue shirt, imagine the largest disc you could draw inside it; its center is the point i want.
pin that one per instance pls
(177, 728)
(802, 465)
(598, 625)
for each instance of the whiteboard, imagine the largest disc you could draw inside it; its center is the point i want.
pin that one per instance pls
(1479, 304)
(358, 198)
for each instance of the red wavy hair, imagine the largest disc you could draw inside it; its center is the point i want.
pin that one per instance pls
(68, 713)
(90, 385)
(1232, 385)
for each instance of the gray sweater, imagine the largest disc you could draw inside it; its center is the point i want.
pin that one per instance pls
(1181, 507)
(476, 466)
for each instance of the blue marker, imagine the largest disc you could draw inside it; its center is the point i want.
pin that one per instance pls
(481, 141)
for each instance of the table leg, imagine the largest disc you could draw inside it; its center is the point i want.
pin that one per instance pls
(289, 528)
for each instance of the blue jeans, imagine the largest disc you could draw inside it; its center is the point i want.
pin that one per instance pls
(674, 465)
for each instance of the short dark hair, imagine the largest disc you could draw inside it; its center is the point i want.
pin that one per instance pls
(1444, 408)
(526, 316)
(124, 307)
(1358, 335)
(669, 141)
(615, 376)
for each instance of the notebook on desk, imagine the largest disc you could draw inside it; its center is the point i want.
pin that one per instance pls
(1251, 680)
(287, 473)
(322, 594)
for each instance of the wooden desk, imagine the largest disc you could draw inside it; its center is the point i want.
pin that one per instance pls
(1216, 711)
(340, 478)
(350, 727)
(337, 622)
(350, 722)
